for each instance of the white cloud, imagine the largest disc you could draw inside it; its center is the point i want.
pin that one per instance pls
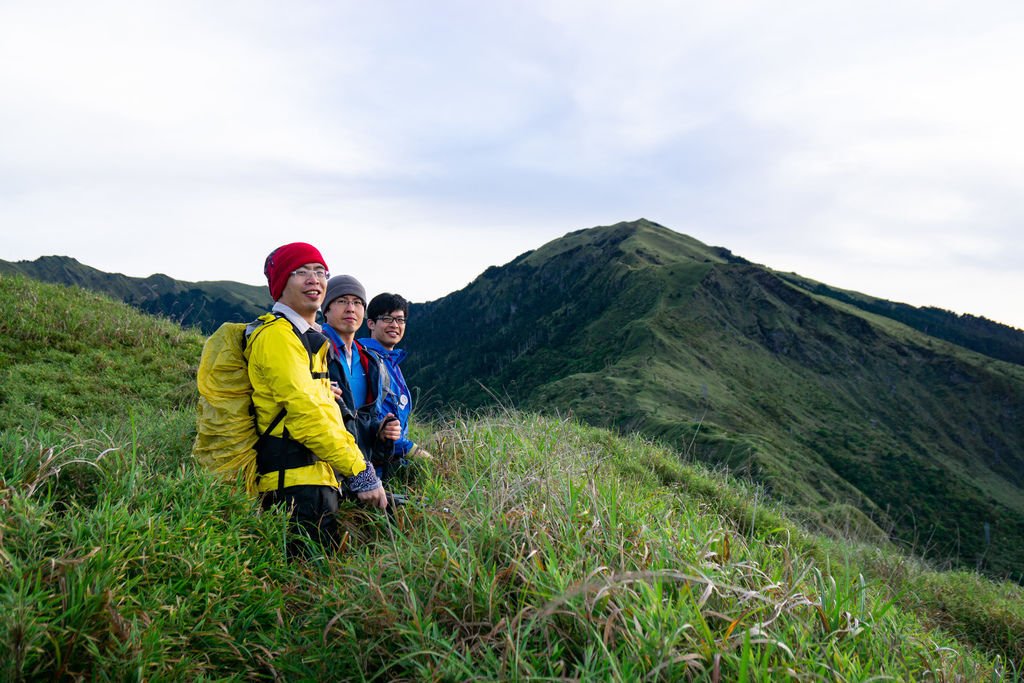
(861, 141)
(118, 87)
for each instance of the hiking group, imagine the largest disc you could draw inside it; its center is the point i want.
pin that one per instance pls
(307, 413)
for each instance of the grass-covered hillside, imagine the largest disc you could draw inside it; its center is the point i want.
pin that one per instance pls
(858, 420)
(192, 304)
(535, 549)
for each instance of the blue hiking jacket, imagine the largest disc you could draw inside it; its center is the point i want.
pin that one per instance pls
(396, 398)
(364, 421)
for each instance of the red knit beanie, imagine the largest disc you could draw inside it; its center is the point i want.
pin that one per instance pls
(283, 260)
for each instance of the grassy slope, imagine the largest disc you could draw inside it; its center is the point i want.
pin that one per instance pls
(539, 548)
(63, 354)
(193, 304)
(860, 421)
(874, 424)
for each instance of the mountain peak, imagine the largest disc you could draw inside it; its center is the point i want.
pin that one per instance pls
(829, 406)
(629, 244)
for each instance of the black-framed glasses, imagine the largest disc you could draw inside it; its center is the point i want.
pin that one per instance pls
(388, 319)
(302, 274)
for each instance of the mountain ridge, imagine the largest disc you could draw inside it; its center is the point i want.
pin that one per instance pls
(207, 303)
(853, 417)
(204, 304)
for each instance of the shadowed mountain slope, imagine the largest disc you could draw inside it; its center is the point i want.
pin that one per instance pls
(972, 332)
(862, 423)
(192, 304)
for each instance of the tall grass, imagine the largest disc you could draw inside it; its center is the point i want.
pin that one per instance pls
(533, 549)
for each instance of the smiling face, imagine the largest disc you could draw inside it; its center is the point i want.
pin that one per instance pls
(345, 315)
(305, 294)
(388, 333)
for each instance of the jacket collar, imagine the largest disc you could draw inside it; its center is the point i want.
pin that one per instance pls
(337, 342)
(335, 338)
(301, 324)
(394, 355)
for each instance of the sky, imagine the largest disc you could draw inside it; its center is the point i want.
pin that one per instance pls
(873, 146)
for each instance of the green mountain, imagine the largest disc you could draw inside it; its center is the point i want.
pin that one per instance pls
(533, 549)
(860, 422)
(191, 304)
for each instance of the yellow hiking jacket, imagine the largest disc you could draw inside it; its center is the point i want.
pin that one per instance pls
(279, 369)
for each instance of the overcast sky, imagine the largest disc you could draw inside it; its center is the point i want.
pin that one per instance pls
(874, 146)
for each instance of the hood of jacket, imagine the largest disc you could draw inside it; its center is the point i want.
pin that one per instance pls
(393, 356)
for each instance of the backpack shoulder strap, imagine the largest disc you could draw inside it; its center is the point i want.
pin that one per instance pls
(260, 322)
(382, 370)
(250, 332)
(273, 423)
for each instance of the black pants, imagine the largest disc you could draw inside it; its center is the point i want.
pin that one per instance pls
(313, 515)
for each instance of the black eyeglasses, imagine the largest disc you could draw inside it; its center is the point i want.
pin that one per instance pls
(388, 319)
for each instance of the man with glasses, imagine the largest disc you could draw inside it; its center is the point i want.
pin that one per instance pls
(303, 440)
(386, 317)
(360, 375)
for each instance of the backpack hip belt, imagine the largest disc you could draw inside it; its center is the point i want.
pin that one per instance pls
(277, 454)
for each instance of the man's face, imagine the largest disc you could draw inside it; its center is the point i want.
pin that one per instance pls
(305, 294)
(388, 333)
(345, 315)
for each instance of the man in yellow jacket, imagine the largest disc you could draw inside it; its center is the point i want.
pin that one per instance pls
(303, 439)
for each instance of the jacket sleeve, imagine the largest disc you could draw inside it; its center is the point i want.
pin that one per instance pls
(364, 481)
(383, 446)
(279, 370)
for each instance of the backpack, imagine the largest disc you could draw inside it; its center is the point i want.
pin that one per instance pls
(226, 432)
